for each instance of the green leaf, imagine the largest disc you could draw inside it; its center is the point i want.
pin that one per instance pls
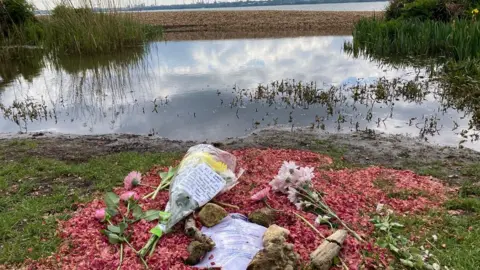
(163, 175)
(114, 229)
(164, 216)
(393, 248)
(111, 200)
(157, 231)
(407, 263)
(395, 224)
(137, 212)
(151, 215)
(336, 260)
(111, 212)
(114, 239)
(122, 227)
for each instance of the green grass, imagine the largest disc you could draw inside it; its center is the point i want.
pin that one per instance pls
(458, 237)
(36, 192)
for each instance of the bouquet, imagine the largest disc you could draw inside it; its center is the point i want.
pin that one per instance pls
(203, 173)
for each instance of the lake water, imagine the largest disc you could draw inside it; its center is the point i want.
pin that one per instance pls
(359, 6)
(210, 90)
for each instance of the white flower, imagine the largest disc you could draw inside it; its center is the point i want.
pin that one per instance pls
(379, 207)
(436, 266)
(299, 205)
(288, 167)
(322, 219)
(435, 238)
(303, 175)
(292, 195)
(280, 182)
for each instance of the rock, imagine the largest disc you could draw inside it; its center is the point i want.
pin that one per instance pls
(264, 217)
(322, 257)
(277, 254)
(211, 214)
(275, 234)
(197, 251)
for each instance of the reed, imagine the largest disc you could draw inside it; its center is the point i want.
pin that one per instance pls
(84, 28)
(458, 40)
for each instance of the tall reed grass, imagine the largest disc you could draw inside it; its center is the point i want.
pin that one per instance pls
(83, 28)
(459, 40)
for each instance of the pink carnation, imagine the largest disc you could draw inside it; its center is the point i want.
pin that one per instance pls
(129, 194)
(260, 195)
(132, 180)
(100, 214)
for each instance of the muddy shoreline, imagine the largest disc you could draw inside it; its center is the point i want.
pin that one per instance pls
(359, 149)
(189, 25)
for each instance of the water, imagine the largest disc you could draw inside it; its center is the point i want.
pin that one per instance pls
(358, 6)
(199, 90)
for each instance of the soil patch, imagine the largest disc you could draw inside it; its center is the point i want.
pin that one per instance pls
(253, 23)
(359, 149)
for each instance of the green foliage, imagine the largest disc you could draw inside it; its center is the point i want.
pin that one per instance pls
(414, 38)
(465, 204)
(391, 237)
(18, 23)
(14, 13)
(439, 10)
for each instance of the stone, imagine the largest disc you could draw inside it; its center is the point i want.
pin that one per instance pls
(211, 214)
(264, 217)
(196, 252)
(277, 254)
(275, 234)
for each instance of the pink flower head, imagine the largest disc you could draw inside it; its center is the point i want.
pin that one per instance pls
(260, 195)
(132, 180)
(100, 214)
(129, 194)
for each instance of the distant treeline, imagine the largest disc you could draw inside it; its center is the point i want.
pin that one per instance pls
(243, 4)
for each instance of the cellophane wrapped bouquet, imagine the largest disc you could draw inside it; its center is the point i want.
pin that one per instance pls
(203, 173)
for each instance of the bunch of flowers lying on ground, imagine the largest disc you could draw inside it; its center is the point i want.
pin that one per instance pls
(130, 213)
(296, 182)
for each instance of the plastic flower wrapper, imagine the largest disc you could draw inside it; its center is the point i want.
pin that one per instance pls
(203, 173)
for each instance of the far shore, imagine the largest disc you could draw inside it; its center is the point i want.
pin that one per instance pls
(189, 25)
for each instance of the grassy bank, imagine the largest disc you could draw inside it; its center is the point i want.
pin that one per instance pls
(35, 193)
(38, 190)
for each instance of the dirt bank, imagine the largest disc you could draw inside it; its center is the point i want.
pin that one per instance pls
(359, 149)
(251, 24)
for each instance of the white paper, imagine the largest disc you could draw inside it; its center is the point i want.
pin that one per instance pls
(237, 241)
(202, 183)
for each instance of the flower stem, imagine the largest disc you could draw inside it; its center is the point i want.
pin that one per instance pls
(153, 247)
(128, 207)
(225, 204)
(143, 185)
(310, 225)
(144, 263)
(121, 257)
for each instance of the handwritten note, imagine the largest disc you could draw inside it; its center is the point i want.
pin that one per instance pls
(202, 183)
